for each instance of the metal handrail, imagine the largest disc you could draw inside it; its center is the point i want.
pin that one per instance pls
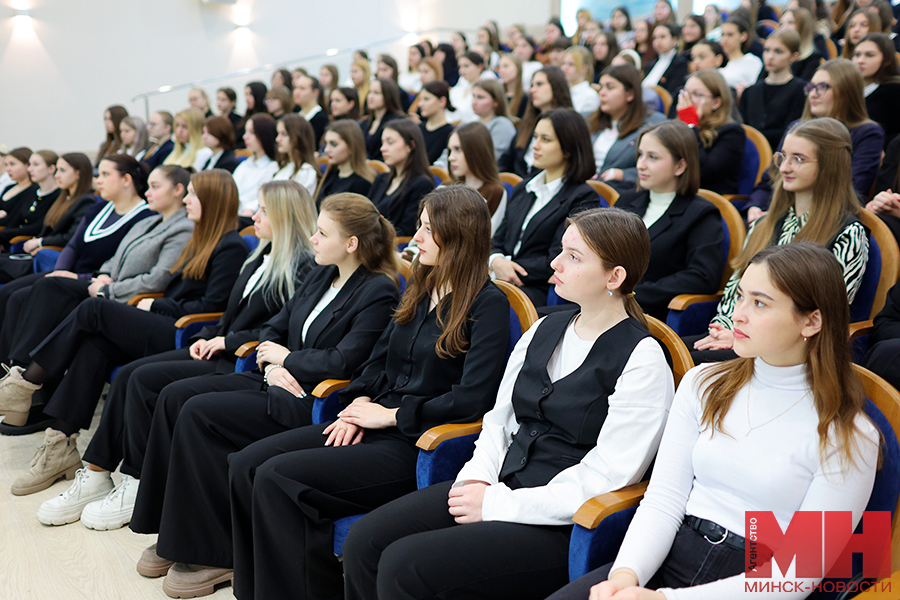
(165, 89)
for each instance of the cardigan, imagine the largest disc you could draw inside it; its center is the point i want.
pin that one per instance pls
(339, 339)
(335, 184)
(143, 261)
(621, 383)
(62, 232)
(882, 105)
(94, 243)
(402, 207)
(185, 296)
(685, 250)
(405, 372)
(771, 108)
(373, 140)
(623, 153)
(27, 219)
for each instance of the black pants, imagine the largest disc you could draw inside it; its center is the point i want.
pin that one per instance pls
(34, 312)
(286, 492)
(8, 289)
(693, 560)
(11, 268)
(412, 549)
(85, 347)
(883, 359)
(707, 356)
(132, 399)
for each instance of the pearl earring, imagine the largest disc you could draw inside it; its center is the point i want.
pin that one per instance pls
(609, 292)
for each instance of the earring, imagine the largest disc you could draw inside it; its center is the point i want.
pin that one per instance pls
(609, 292)
(804, 339)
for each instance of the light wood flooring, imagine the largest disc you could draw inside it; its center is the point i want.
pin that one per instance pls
(71, 562)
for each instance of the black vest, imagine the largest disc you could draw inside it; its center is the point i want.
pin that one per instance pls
(559, 422)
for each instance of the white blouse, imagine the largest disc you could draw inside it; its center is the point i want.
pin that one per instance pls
(305, 176)
(249, 176)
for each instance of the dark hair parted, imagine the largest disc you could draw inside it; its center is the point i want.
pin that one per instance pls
(440, 89)
(127, 165)
(351, 95)
(82, 164)
(620, 239)
(888, 71)
(561, 99)
(390, 91)
(636, 111)
(219, 202)
(221, 129)
(357, 217)
(417, 161)
(574, 141)
(478, 148)
(229, 93)
(303, 143)
(258, 91)
(113, 138)
(265, 132)
(175, 175)
(21, 154)
(811, 277)
(679, 140)
(461, 226)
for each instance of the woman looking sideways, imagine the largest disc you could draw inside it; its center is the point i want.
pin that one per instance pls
(189, 151)
(218, 136)
(383, 106)
(510, 74)
(296, 146)
(877, 61)
(112, 118)
(472, 142)
(344, 104)
(809, 59)
(347, 169)
(489, 104)
(260, 166)
(578, 66)
(743, 68)
(434, 102)
(670, 68)
(360, 76)
(27, 218)
(255, 99)
(22, 191)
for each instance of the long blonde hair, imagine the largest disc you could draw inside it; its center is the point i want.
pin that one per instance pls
(363, 88)
(184, 156)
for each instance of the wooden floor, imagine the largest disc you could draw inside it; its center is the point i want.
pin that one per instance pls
(71, 562)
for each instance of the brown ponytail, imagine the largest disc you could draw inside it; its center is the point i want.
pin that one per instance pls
(357, 216)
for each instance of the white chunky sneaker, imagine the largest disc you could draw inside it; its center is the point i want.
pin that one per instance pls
(115, 509)
(67, 507)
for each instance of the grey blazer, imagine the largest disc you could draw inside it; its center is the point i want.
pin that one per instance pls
(143, 261)
(622, 155)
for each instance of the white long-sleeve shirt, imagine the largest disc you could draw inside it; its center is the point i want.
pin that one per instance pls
(625, 447)
(775, 466)
(249, 176)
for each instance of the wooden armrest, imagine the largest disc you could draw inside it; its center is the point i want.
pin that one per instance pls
(21, 238)
(682, 301)
(138, 297)
(57, 248)
(861, 328)
(432, 438)
(329, 386)
(598, 508)
(246, 349)
(736, 197)
(196, 318)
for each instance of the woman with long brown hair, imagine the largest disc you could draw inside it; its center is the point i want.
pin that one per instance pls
(813, 201)
(489, 104)
(347, 169)
(296, 144)
(22, 190)
(71, 365)
(112, 117)
(26, 220)
(470, 164)
(791, 402)
(579, 412)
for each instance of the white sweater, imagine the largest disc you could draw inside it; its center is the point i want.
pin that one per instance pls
(773, 467)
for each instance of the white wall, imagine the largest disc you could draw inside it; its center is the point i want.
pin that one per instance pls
(69, 59)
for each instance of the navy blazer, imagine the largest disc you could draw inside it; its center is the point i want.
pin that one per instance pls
(674, 76)
(542, 237)
(227, 161)
(160, 155)
(720, 164)
(685, 250)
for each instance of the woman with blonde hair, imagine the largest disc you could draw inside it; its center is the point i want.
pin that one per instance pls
(361, 75)
(510, 73)
(348, 171)
(814, 201)
(578, 66)
(189, 151)
(705, 104)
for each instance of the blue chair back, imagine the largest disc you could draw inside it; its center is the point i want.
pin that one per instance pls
(252, 242)
(17, 248)
(749, 168)
(45, 260)
(509, 188)
(868, 286)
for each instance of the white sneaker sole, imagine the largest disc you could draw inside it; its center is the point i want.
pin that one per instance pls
(106, 522)
(64, 517)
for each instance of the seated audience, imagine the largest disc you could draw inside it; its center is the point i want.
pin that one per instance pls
(218, 136)
(489, 104)
(226, 101)
(258, 168)
(471, 164)
(313, 105)
(135, 140)
(578, 66)
(22, 191)
(347, 169)
(670, 69)
(383, 102)
(434, 102)
(809, 59)
(27, 217)
(159, 129)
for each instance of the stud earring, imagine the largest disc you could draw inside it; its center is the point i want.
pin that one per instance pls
(609, 292)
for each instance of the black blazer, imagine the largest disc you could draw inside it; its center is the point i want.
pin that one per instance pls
(339, 339)
(402, 207)
(319, 122)
(160, 155)
(244, 316)
(882, 105)
(542, 238)
(14, 204)
(685, 250)
(373, 140)
(674, 77)
(335, 184)
(771, 108)
(227, 161)
(28, 219)
(720, 164)
(806, 67)
(405, 371)
(887, 322)
(65, 228)
(185, 296)
(513, 161)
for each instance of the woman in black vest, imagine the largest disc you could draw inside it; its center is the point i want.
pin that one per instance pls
(580, 412)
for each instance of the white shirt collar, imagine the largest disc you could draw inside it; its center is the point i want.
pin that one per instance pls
(312, 112)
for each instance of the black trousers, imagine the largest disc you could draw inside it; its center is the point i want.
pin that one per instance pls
(34, 312)
(132, 399)
(14, 269)
(693, 560)
(707, 356)
(412, 549)
(286, 492)
(8, 289)
(883, 359)
(85, 347)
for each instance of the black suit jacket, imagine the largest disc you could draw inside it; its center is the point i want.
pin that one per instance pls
(542, 238)
(339, 339)
(674, 77)
(720, 164)
(319, 122)
(401, 208)
(685, 250)
(227, 161)
(513, 161)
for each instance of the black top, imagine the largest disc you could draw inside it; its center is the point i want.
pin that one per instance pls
(235, 120)
(373, 140)
(805, 67)
(90, 247)
(887, 322)
(65, 228)
(436, 141)
(685, 250)
(12, 206)
(771, 108)
(185, 296)
(887, 174)
(675, 75)
(335, 184)
(227, 161)
(720, 163)
(882, 106)
(319, 122)
(28, 218)
(402, 207)
(513, 161)
(339, 339)
(405, 371)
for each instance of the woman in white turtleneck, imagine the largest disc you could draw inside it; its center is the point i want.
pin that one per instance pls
(745, 436)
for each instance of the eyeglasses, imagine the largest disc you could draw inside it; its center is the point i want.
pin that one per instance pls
(820, 88)
(697, 96)
(793, 160)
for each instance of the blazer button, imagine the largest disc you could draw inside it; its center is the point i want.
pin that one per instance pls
(524, 460)
(534, 432)
(545, 390)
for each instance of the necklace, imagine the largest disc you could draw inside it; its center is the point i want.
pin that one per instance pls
(749, 424)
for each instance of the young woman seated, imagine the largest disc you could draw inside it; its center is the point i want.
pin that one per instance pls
(268, 279)
(135, 139)
(347, 169)
(693, 29)
(791, 400)
(809, 59)
(743, 68)
(258, 168)
(434, 102)
(489, 103)
(387, 68)
(529, 236)
(616, 124)
(471, 164)
(775, 102)
(861, 23)
(26, 219)
(226, 101)
(471, 69)
(619, 24)
(255, 99)
(73, 363)
(685, 230)
(112, 118)
(22, 191)
(549, 90)
(526, 49)
(604, 49)
(670, 69)
(877, 61)
(360, 77)
(510, 80)
(218, 136)
(159, 129)
(189, 151)
(411, 79)
(396, 194)
(705, 103)
(578, 67)
(579, 412)
(312, 104)
(813, 201)
(296, 145)
(279, 101)
(439, 360)
(344, 104)
(643, 43)
(383, 106)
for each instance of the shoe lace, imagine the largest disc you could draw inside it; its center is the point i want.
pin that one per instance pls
(116, 493)
(75, 488)
(41, 454)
